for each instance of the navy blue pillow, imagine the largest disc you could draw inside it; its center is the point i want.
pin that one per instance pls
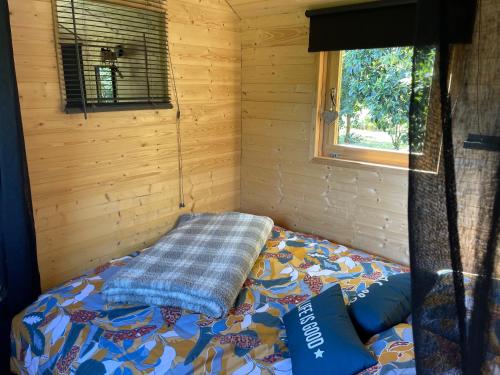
(386, 304)
(322, 339)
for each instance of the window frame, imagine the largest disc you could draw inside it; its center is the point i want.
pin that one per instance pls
(324, 146)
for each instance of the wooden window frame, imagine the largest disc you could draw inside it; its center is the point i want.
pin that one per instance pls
(324, 148)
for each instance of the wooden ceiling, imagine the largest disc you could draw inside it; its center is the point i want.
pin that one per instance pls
(256, 8)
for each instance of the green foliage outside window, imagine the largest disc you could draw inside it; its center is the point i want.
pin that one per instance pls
(375, 97)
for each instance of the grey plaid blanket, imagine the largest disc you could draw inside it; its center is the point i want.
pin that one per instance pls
(200, 265)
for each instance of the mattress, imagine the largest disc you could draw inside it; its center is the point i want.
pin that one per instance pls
(71, 330)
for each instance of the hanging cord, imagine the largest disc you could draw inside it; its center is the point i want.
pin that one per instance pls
(234, 10)
(179, 138)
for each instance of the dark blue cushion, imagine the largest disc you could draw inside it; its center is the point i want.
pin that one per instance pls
(322, 339)
(386, 304)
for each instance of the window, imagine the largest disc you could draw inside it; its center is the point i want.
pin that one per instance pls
(113, 54)
(106, 84)
(363, 107)
(70, 59)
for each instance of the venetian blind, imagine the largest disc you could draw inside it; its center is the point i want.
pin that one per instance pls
(113, 54)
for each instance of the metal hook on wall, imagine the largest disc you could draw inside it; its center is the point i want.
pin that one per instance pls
(330, 116)
(333, 97)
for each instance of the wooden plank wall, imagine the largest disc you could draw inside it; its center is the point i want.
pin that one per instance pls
(254, 8)
(106, 186)
(363, 207)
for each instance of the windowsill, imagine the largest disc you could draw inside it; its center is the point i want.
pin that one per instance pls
(324, 146)
(398, 159)
(347, 163)
(339, 162)
(112, 107)
(363, 148)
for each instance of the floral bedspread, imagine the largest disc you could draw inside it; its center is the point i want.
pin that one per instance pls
(70, 330)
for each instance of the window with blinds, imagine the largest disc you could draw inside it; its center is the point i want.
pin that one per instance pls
(113, 54)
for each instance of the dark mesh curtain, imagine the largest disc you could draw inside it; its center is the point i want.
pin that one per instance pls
(453, 210)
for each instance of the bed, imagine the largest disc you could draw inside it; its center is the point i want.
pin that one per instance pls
(70, 330)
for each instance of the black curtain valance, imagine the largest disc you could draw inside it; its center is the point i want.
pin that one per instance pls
(388, 23)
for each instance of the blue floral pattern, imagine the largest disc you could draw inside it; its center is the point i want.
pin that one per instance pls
(70, 329)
